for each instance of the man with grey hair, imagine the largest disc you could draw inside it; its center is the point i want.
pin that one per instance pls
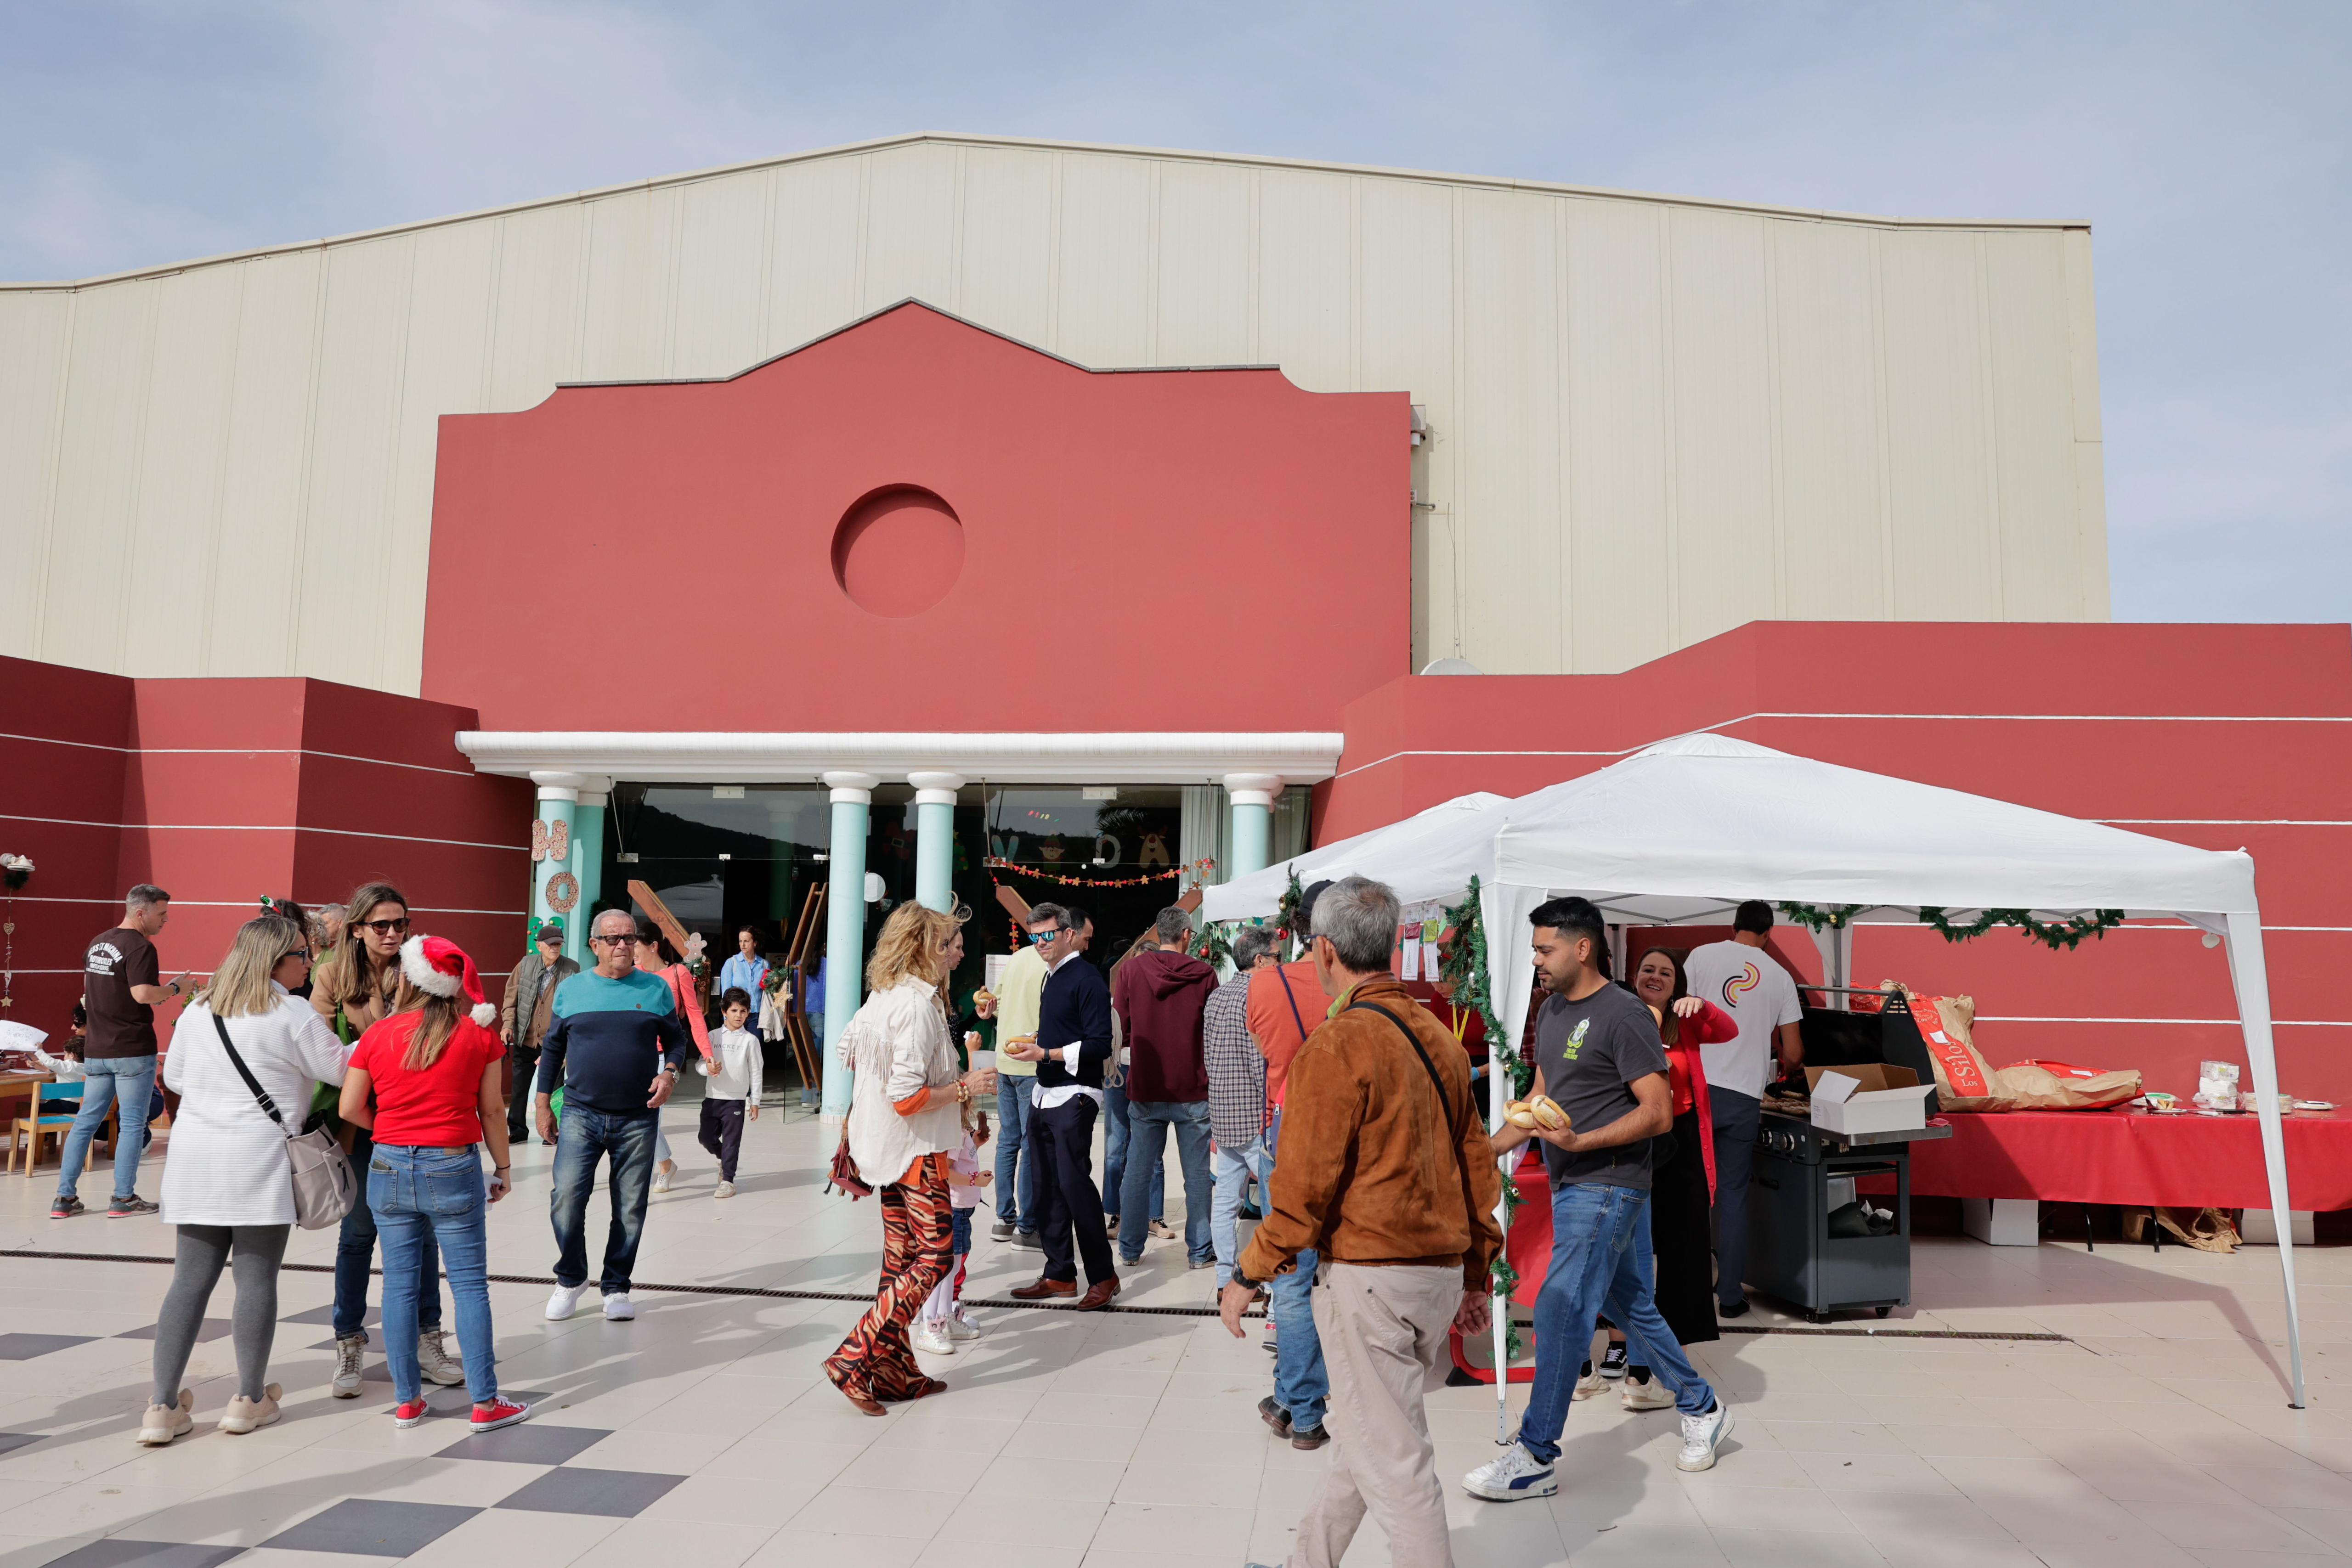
(1236, 1096)
(1383, 1170)
(120, 990)
(1160, 996)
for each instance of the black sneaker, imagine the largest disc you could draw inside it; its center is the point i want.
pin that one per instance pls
(1028, 1238)
(1612, 1365)
(1000, 1232)
(1731, 1309)
(129, 1208)
(65, 1208)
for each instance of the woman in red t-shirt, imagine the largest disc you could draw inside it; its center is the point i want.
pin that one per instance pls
(433, 1070)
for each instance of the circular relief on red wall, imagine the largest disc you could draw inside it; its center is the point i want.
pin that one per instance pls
(897, 552)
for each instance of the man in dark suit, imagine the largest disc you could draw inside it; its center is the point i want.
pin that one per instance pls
(1071, 1045)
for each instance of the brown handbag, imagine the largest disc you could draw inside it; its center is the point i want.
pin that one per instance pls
(843, 1176)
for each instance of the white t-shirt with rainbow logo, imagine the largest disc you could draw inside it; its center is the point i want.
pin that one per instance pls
(1748, 984)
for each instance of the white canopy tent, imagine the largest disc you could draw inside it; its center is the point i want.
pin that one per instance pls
(1682, 831)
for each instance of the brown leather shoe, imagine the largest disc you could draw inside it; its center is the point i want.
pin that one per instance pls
(1043, 1288)
(1099, 1295)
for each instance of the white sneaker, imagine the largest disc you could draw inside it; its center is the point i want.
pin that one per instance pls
(250, 1415)
(1512, 1475)
(1588, 1385)
(1700, 1436)
(1650, 1395)
(564, 1302)
(349, 1350)
(961, 1328)
(618, 1308)
(432, 1360)
(932, 1339)
(661, 1181)
(724, 1190)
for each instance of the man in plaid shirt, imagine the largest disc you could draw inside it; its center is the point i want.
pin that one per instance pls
(1236, 1096)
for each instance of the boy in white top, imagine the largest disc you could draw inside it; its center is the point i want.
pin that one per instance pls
(733, 1094)
(1741, 977)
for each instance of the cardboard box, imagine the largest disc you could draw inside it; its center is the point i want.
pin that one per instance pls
(1868, 1097)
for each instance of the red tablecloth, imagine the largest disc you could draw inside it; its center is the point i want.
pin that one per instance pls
(2132, 1158)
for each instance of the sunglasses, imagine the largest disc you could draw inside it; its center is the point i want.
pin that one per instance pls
(615, 941)
(1042, 937)
(384, 927)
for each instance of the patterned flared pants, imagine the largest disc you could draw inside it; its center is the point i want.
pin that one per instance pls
(918, 1229)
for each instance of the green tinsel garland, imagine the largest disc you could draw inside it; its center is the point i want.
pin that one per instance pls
(1814, 917)
(1285, 918)
(2065, 934)
(1463, 968)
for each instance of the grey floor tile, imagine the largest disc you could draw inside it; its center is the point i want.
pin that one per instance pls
(12, 1441)
(325, 1316)
(373, 1526)
(527, 1445)
(25, 1346)
(213, 1328)
(116, 1552)
(619, 1494)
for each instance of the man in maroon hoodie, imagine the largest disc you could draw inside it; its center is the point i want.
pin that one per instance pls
(1160, 997)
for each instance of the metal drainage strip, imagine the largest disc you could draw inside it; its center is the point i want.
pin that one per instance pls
(774, 1293)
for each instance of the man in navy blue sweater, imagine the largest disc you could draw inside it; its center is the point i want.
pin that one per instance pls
(615, 1047)
(1071, 1045)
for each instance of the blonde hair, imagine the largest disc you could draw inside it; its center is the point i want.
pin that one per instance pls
(433, 1031)
(346, 975)
(240, 987)
(910, 944)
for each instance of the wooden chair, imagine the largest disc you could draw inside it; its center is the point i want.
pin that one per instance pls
(26, 1133)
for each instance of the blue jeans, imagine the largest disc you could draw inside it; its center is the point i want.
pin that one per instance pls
(1016, 1195)
(581, 1137)
(1737, 1118)
(1115, 1131)
(1229, 1172)
(130, 1078)
(1599, 1264)
(420, 1197)
(1301, 1384)
(1149, 1124)
(355, 1256)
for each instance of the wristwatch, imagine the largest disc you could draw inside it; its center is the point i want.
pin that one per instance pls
(1244, 1281)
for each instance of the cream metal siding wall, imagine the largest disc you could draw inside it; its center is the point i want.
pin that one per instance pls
(1652, 419)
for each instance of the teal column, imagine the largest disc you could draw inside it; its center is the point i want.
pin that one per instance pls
(559, 793)
(588, 865)
(935, 802)
(844, 926)
(1253, 796)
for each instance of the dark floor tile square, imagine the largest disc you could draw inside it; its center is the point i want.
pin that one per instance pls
(373, 1526)
(116, 1552)
(12, 1441)
(325, 1316)
(527, 1445)
(213, 1328)
(25, 1346)
(615, 1494)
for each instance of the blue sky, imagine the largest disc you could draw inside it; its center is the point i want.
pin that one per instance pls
(2199, 140)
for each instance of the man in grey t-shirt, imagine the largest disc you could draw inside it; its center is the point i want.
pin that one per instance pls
(1597, 1053)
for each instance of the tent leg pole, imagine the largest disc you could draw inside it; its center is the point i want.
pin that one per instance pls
(2250, 977)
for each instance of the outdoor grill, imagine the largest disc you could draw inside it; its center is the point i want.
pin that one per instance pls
(1804, 1175)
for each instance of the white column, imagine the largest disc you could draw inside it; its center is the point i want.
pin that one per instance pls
(844, 926)
(587, 864)
(935, 802)
(1253, 796)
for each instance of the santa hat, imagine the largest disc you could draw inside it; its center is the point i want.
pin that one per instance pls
(438, 967)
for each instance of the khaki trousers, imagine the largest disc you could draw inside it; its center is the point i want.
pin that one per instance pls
(1384, 1335)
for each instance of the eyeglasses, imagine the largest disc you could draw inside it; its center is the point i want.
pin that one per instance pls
(384, 927)
(301, 953)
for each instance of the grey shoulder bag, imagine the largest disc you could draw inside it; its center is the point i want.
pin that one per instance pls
(324, 1188)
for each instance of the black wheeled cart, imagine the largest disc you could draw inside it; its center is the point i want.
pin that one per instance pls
(1804, 1175)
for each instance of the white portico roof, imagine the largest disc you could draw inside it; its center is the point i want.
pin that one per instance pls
(1132, 757)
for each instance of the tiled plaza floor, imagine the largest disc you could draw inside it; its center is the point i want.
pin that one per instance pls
(703, 1433)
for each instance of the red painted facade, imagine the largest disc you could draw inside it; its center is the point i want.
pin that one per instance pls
(1111, 523)
(2222, 737)
(221, 790)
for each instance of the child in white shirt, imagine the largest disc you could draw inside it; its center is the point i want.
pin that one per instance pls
(944, 1321)
(734, 1071)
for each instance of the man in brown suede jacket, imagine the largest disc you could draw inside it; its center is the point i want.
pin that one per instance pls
(1385, 1171)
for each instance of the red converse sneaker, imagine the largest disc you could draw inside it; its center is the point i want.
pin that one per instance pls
(498, 1413)
(409, 1414)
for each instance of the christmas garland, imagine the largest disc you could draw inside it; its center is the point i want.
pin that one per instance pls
(1462, 965)
(1286, 915)
(2064, 934)
(1199, 867)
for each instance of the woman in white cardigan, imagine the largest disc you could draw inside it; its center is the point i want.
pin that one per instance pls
(229, 1185)
(906, 1116)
